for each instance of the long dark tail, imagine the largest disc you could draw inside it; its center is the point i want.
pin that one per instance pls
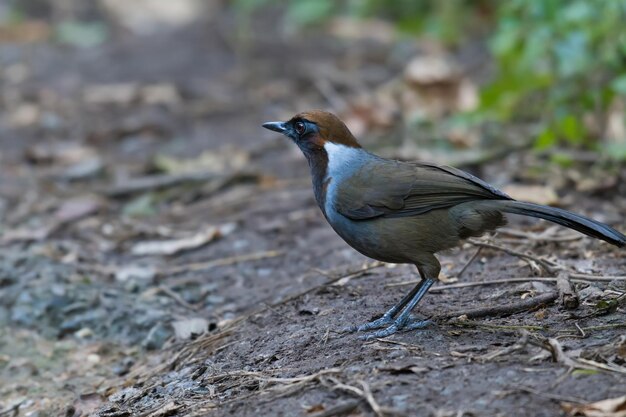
(565, 218)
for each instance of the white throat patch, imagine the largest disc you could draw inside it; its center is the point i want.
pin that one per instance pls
(341, 159)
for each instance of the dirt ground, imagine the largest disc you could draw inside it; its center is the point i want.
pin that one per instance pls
(163, 255)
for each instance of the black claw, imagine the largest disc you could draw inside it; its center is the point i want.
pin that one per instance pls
(395, 327)
(376, 324)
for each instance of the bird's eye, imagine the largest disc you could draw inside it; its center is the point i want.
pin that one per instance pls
(300, 128)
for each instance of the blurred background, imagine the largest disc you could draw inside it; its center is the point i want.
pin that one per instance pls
(459, 82)
(131, 147)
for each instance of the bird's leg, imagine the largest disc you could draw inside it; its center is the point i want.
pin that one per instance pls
(404, 319)
(387, 318)
(428, 267)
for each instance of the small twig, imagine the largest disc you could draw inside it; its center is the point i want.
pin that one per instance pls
(504, 310)
(558, 355)
(594, 364)
(471, 260)
(590, 277)
(567, 295)
(582, 332)
(324, 340)
(176, 297)
(304, 378)
(545, 236)
(267, 306)
(519, 345)
(549, 266)
(369, 397)
(364, 393)
(604, 327)
(229, 260)
(498, 327)
(554, 397)
(492, 282)
(156, 182)
(367, 267)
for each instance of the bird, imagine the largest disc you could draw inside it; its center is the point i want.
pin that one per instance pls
(406, 212)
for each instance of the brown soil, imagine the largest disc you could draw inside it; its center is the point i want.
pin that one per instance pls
(80, 337)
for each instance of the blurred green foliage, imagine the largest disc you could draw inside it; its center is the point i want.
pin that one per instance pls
(446, 20)
(560, 64)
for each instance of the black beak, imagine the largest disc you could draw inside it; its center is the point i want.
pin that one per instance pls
(279, 127)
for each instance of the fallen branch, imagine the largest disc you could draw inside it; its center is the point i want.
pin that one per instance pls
(580, 278)
(504, 310)
(499, 327)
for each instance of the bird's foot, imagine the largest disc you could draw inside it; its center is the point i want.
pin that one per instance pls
(397, 325)
(383, 321)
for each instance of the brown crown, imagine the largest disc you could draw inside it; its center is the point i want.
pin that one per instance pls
(331, 128)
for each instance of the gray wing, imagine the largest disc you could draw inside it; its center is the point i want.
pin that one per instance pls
(400, 189)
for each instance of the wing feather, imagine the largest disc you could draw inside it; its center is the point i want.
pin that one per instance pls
(415, 188)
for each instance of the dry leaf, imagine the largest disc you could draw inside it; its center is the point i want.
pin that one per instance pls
(173, 246)
(612, 407)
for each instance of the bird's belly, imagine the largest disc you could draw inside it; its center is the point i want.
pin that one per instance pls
(396, 240)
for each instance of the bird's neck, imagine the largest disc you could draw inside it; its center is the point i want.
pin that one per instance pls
(318, 162)
(333, 162)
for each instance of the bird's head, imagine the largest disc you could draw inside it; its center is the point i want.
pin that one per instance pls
(311, 130)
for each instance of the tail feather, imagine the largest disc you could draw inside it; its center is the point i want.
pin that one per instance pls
(565, 218)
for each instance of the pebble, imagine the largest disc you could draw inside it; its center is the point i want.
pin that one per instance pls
(84, 333)
(93, 358)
